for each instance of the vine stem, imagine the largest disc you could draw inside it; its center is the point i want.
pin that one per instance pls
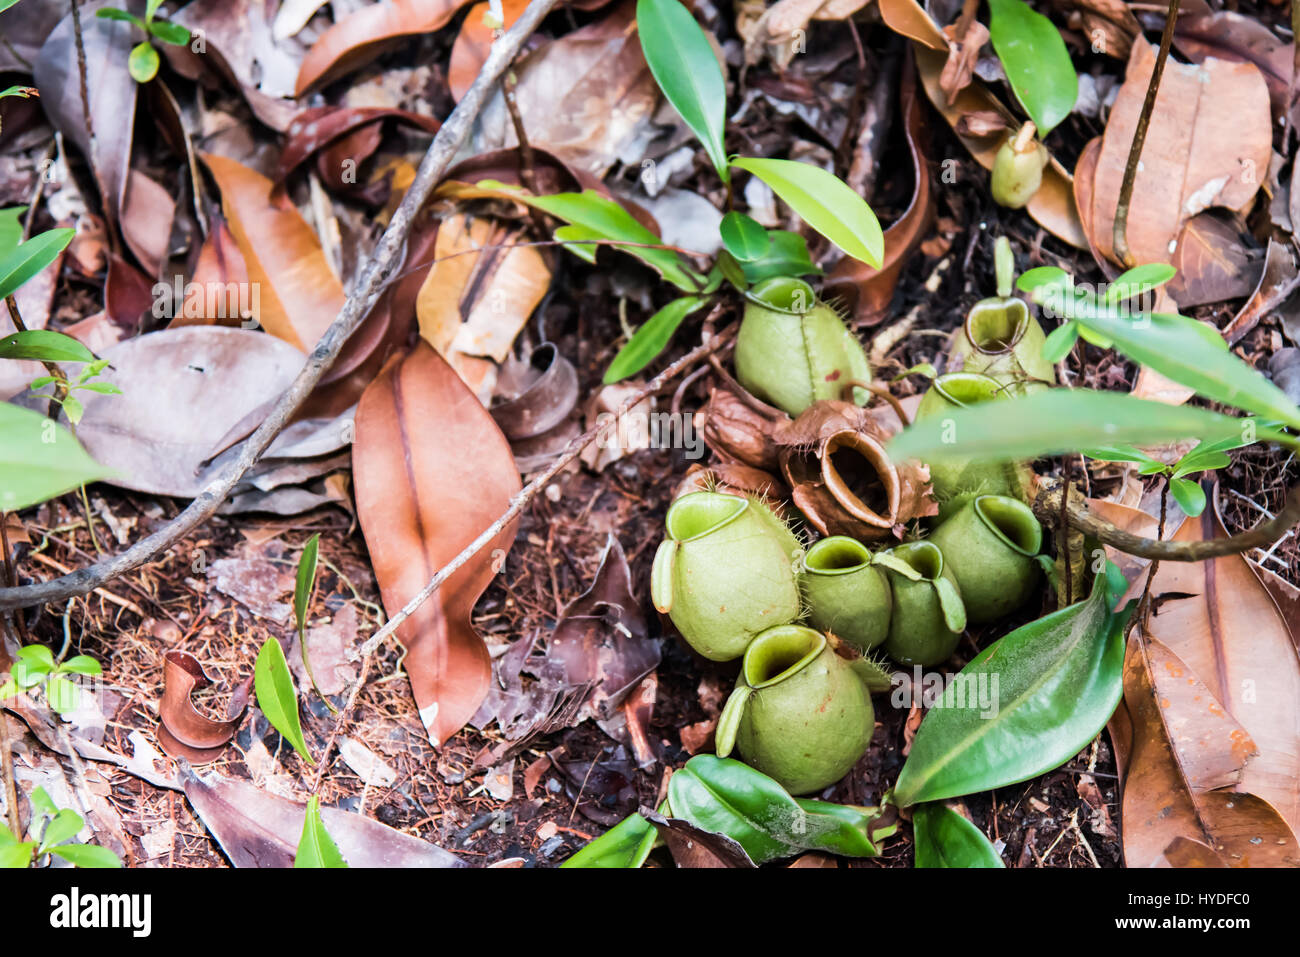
(1119, 236)
(384, 261)
(518, 502)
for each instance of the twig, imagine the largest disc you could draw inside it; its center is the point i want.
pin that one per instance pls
(1145, 605)
(384, 261)
(11, 579)
(1119, 236)
(81, 72)
(1048, 502)
(527, 162)
(518, 503)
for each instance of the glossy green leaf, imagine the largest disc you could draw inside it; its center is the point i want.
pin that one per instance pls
(684, 65)
(316, 848)
(82, 665)
(1194, 355)
(44, 345)
(27, 259)
(38, 655)
(727, 797)
(143, 62)
(62, 827)
(172, 33)
(787, 255)
(649, 340)
(11, 229)
(27, 675)
(305, 580)
(6, 4)
(151, 7)
(87, 855)
(62, 694)
(1056, 421)
(1028, 703)
(579, 241)
(1201, 460)
(1139, 279)
(1189, 495)
(17, 855)
(824, 202)
(73, 409)
(943, 838)
(744, 237)
(276, 696)
(599, 217)
(122, 16)
(1060, 341)
(1035, 60)
(1120, 454)
(627, 844)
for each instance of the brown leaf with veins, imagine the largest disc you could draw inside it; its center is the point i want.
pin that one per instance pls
(432, 471)
(962, 54)
(1208, 144)
(1232, 36)
(298, 293)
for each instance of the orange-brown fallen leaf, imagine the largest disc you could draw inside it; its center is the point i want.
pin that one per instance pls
(432, 471)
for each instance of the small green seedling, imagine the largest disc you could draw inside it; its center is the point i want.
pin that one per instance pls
(72, 406)
(276, 696)
(316, 848)
(1206, 457)
(302, 592)
(37, 671)
(143, 62)
(50, 827)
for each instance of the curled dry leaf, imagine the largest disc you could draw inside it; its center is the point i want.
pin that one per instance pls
(738, 432)
(258, 829)
(298, 294)
(1277, 284)
(867, 289)
(1208, 144)
(695, 847)
(537, 400)
(962, 54)
(432, 471)
(314, 130)
(184, 731)
(840, 477)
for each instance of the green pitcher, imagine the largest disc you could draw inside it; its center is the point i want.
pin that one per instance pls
(799, 712)
(989, 545)
(929, 615)
(725, 572)
(957, 480)
(846, 594)
(792, 349)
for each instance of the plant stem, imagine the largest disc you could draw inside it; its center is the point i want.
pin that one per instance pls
(7, 768)
(11, 579)
(60, 378)
(1145, 605)
(1119, 236)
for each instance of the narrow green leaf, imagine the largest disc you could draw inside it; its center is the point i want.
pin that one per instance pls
(1201, 460)
(1035, 60)
(1025, 705)
(29, 258)
(276, 696)
(944, 838)
(122, 16)
(1189, 495)
(1120, 454)
(1042, 277)
(316, 848)
(686, 69)
(173, 33)
(1193, 354)
(627, 844)
(87, 855)
(44, 345)
(143, 62)
(62, 827)
(649, 340)
(579, 241)
(1056, 421)
(82, 665)
(150, 8)
(1137, 280)
(744, 237)
(306, 579)
(825, 203)
(42, 804)
(787, 255)
(9, 689)
(103, 388)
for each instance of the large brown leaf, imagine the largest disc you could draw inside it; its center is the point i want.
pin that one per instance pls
(432, 471)
(1208, 144)
(298, 294)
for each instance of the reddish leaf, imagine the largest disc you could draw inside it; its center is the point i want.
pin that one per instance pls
(185, 731)
(315, 129)
(432, 471)
(220, 268)
(472, 45)
(147, 211)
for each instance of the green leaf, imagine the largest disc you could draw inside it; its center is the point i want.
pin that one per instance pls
(684, 65)
(316, 848)
(64, 826)
(731, 798)
(273, 688)
(6, 4)
(306, 579)
(172, 33)
(11, 229)
(19, 90)
(1137, 280)
(38, 656)
(25, 674)
(17, 855)
(29, 258)
(744, 237)
(601, 218)
(579, 242)
(627, 844)
(944, 838)
(1043, 277)
(63, 695)
(1035, 60)
(143, 62)
(1029, 702)
(1189, 495)
(150, 8)
(1193, 354)
(825, 203)
(44, 345)
(1059, 342)
(112, 13)
(1201, 459)
(9, 689)
(82, 665)
(649, 340)
(1056, 421)
(73, 409)
(787, 255)
(1121, 454)
(42, 805)
(87, 855)
(7, 838)
(103, 388)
